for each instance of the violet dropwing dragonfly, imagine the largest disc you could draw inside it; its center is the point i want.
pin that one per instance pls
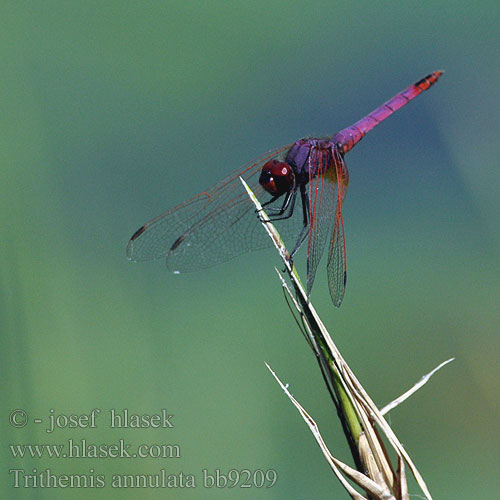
(220, 223)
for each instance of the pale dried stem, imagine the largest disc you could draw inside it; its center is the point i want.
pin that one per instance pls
(415, 388)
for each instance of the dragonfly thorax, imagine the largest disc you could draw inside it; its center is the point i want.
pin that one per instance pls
(308, 157)
(277, 177)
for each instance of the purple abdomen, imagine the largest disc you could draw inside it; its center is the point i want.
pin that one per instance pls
(350, 136)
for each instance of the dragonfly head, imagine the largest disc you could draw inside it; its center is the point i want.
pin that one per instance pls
(277, 177)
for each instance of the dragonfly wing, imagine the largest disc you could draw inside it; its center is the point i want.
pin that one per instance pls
(337, 265)
(322, 200)
(212, 227)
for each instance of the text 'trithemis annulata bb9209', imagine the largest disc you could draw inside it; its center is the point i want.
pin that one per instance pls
(221, 222)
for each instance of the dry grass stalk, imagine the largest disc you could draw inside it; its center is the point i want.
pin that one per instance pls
(360, 416)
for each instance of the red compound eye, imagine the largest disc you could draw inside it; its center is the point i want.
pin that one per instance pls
(276, 177)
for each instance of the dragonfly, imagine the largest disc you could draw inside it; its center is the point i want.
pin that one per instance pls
(220, 223)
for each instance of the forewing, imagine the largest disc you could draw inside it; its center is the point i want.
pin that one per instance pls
(321, 209)
(337, 266)
(213, 227)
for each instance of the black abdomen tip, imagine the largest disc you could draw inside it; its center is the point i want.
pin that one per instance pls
(430, 79)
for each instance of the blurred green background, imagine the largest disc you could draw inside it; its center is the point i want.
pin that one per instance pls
(112, 112)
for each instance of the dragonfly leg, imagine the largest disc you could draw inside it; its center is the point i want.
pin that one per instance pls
(288, 205)
(272, 200)
(305, 212)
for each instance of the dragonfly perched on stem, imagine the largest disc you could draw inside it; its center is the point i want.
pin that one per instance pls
(220, 223)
